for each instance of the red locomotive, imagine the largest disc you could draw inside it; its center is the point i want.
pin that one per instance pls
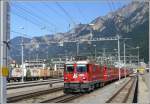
(85, 76)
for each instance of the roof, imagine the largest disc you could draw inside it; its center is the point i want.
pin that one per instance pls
(78, 62)
(82, 62)
(70, 62)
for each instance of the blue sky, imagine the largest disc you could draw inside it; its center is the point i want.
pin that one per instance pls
(41, 18)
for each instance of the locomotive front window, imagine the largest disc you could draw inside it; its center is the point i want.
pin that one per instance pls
(81, 68)
(69, 68)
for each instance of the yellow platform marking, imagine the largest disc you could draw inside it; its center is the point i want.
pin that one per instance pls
(4, 71)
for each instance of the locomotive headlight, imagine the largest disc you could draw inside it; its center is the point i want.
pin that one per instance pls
(66, 78)
(84, 78)
(75, 76)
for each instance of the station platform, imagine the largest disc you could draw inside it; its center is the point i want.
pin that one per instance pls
(143, 91)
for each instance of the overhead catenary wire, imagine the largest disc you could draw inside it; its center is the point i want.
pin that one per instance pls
(32, 22)
(33, 43)
(12, 47)
(81, 13)
(130, 46)
(53, 10)
(28, 13)
(23, 17)
(26, 35)
(40, 18)
(110, 6)
(113, 5)
(119, 2)
(34, 19)
(66, 13)
(20, 33)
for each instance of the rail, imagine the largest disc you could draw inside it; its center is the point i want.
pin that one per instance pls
(32, 94)
(121, 96)
(62, 99)
(28, 82)
(32, 84)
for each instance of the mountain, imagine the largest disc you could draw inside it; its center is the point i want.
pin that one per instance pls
(130, 21)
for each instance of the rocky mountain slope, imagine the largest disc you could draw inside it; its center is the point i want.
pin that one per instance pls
(130, 21)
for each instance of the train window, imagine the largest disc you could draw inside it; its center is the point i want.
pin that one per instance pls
(81, 68)
(69, 68)
(147, 70)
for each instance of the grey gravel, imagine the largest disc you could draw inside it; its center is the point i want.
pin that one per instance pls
(19, 90)
(101, 95)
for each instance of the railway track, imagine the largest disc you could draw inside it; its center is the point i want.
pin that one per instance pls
(20, 83)
(121, 96)
(62, 99)
(33, 84)
(21, 96)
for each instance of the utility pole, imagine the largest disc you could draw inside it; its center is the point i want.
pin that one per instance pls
(124, 58)
(138, 55)
(22, 59)
(95, 50)
(77, 48)
(4, 37)
(65, 55)
(91, 35)
(119, 54)
(22, 56)
(37, 55)
(149, 58)
(104, 52)
(104, 55)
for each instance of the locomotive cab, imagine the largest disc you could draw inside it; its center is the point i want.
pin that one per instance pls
(75, 72)
(78, 76)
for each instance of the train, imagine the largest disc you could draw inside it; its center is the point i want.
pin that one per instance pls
(86, 75)
(30, 74)
(31, 70)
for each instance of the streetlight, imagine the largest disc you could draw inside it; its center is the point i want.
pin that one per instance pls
(117, 28)
(95, 50)
(91, 30)
(22, 55)
(119, 54)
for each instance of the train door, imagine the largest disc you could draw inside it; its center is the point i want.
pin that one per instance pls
(98, 72)
(90, 67)
(104, 73)
(101, 73)
(94, 73)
